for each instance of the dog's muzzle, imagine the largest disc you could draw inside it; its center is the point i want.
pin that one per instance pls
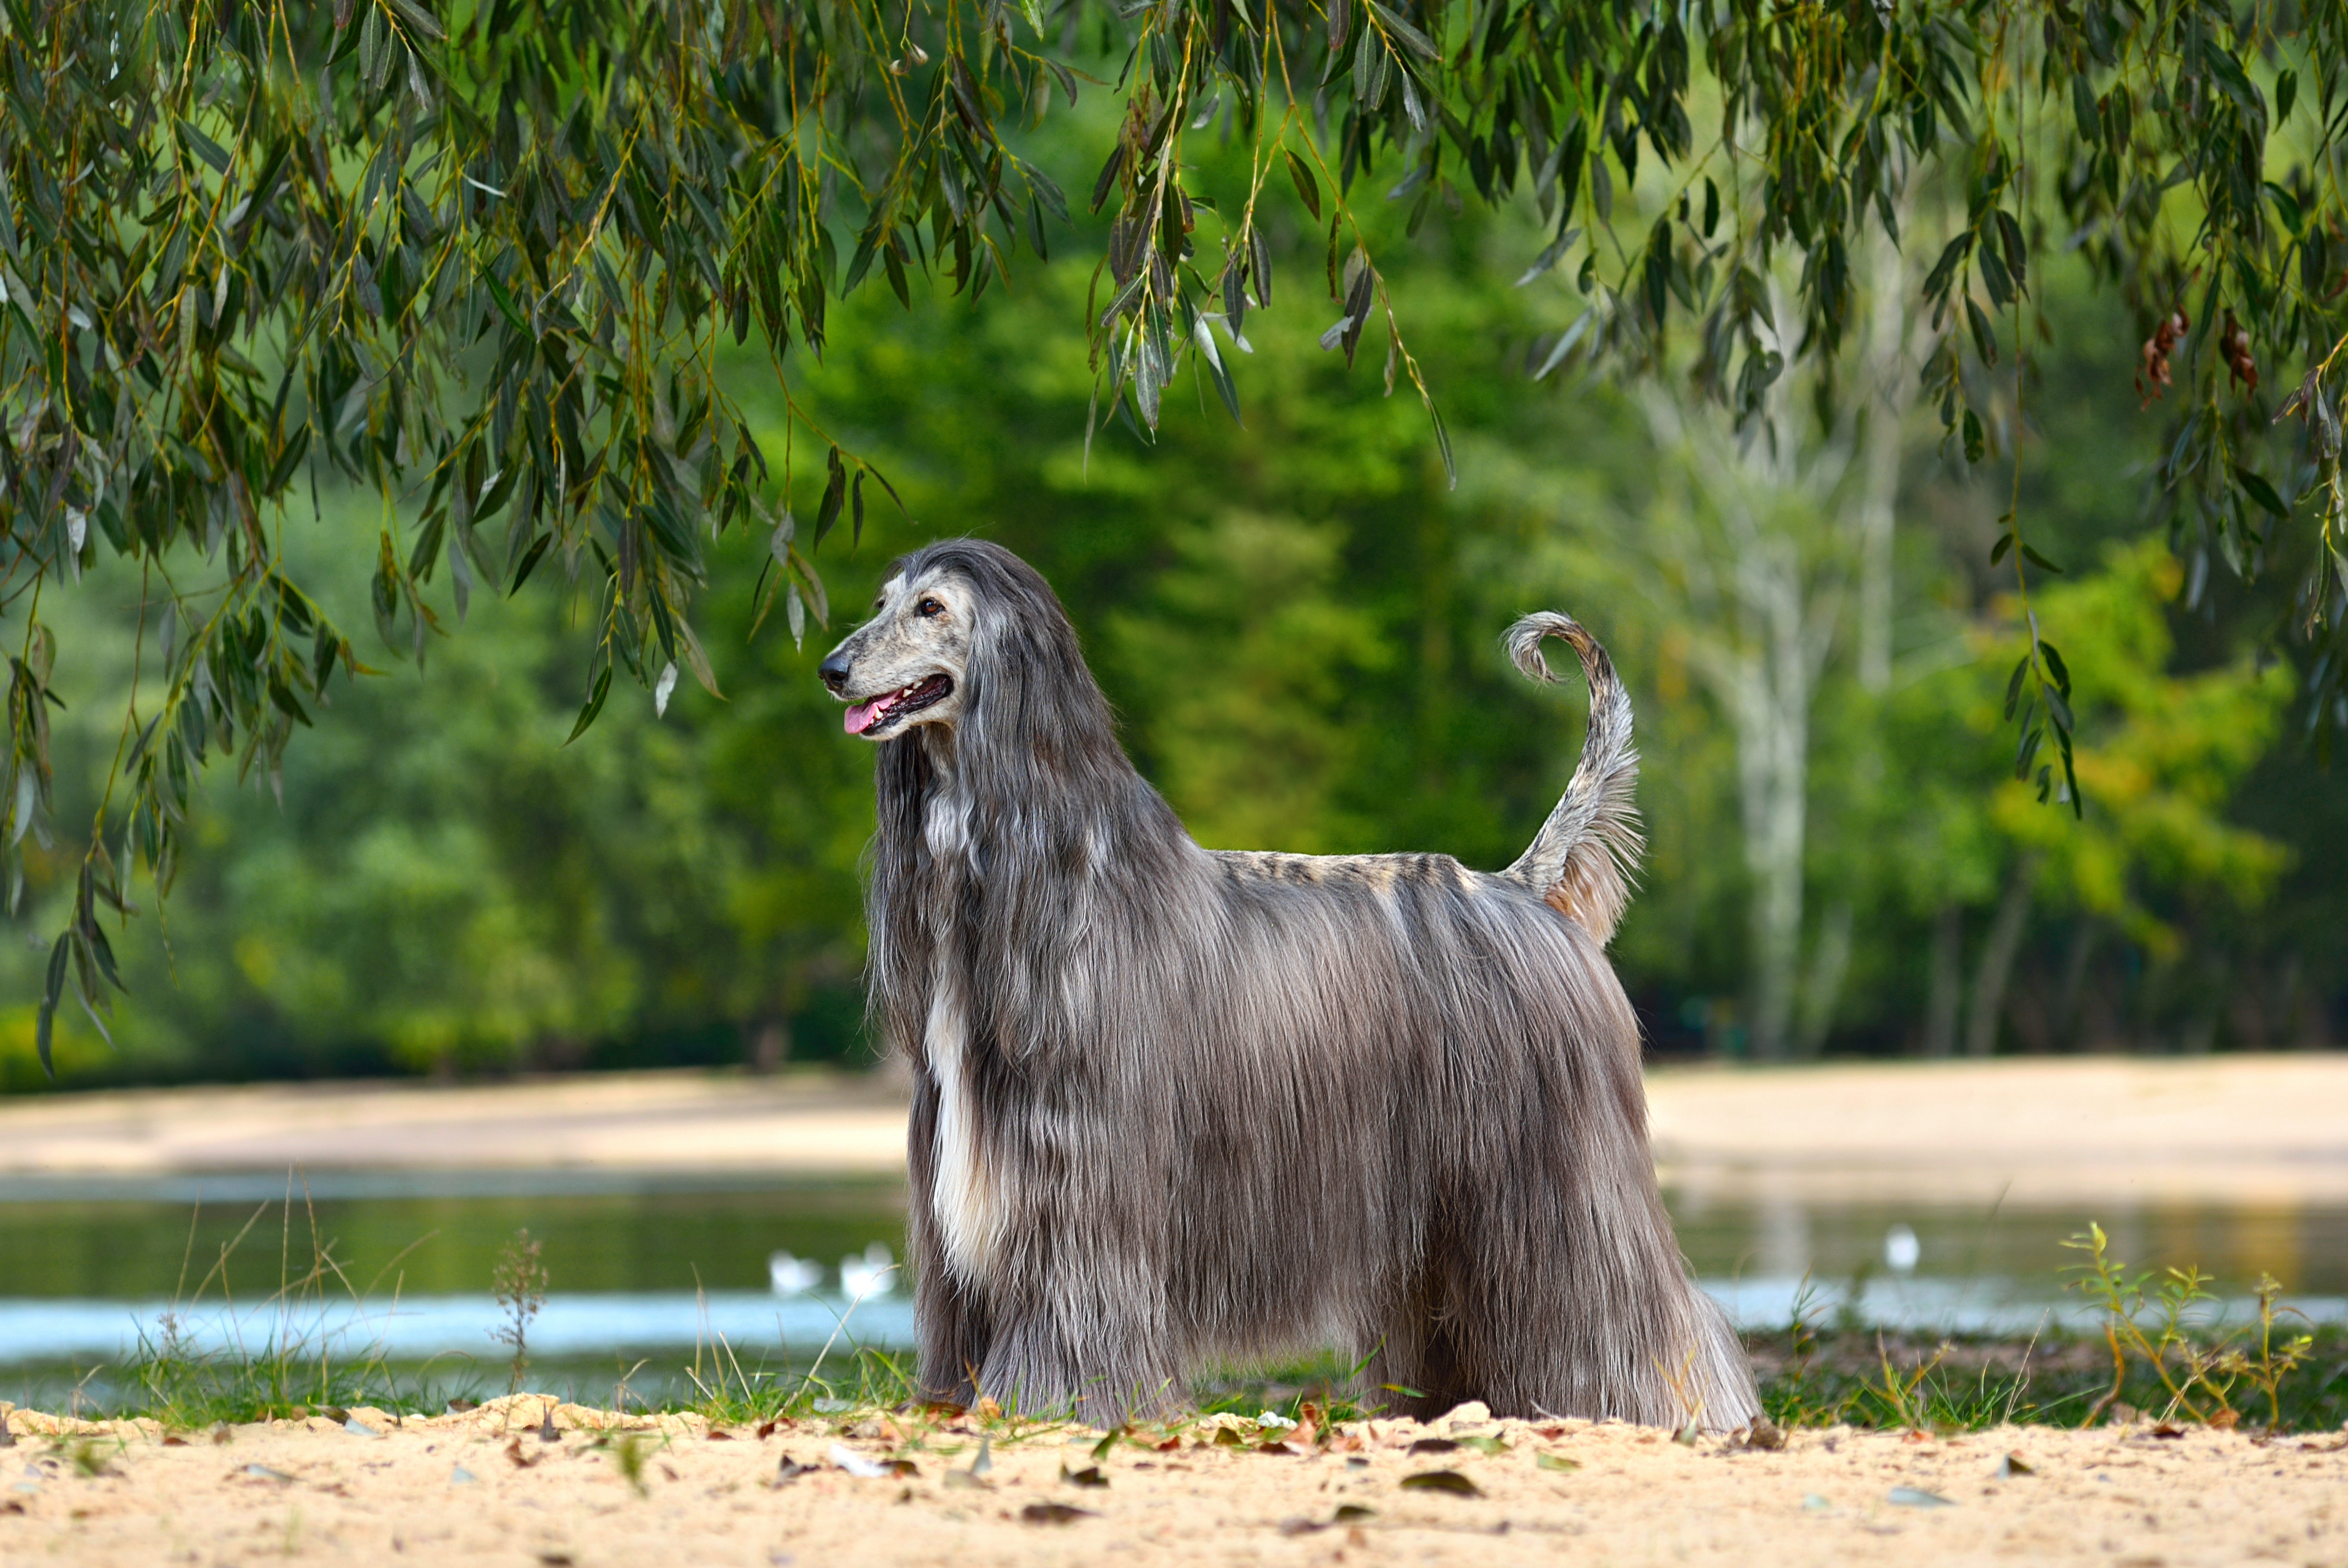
(878, 713)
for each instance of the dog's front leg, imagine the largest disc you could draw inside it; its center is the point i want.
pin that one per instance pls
(1080, 1320)
(1110, 1368)
(950, 1318)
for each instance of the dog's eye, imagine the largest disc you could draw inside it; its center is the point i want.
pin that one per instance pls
(931, 607)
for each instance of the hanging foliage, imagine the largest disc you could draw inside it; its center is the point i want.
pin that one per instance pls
(479, 257)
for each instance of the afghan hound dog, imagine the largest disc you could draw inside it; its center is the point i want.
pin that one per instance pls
(1176, 1108)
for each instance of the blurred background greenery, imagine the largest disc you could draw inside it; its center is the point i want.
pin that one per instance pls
(1298, 622)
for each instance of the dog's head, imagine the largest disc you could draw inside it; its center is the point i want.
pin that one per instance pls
(969, 640)
(909, 664)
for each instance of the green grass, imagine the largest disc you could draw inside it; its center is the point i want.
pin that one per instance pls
(1807, 1378)
(1964, 1384)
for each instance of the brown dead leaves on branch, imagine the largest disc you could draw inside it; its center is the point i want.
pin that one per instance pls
(2152, 377)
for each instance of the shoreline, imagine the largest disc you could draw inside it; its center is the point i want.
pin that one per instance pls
(2243, 1130)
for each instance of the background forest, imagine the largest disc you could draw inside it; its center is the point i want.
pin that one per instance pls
(1298, 622)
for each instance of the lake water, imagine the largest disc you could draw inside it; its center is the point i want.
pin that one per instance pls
(647, 1270)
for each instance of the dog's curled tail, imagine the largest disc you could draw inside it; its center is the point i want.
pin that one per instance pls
(1582, 860)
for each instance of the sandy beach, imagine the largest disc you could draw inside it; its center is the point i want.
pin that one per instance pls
(487, 1487)
(2217, 1130)
(361, 1486)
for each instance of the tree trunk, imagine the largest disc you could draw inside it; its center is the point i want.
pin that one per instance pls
(770, 1044)
(2075, 980)
(1829, 963)
(1765, 610)
(1948, 966)
(1988, 1001)
(1773, 746)
(1891, 389)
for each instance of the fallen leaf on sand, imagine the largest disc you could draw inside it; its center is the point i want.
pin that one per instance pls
(856, 1464)
(1913, 1497)
(1053, 1513)
(1449, 1481)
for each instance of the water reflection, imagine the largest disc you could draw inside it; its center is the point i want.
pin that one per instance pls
(650, 1267)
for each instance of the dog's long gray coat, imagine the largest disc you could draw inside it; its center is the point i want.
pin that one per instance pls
(1176, 1108)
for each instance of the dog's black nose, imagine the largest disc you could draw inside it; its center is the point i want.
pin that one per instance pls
(834, 670)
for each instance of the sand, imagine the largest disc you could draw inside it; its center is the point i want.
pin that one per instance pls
(485, 1487)
(2242, 1130)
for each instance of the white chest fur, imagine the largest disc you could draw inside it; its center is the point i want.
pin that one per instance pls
(963, 1192)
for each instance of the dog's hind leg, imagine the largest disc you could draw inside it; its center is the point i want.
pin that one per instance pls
(1420, 1367)
(1722, 1372)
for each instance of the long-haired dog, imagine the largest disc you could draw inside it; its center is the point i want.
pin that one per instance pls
(1175, 1108)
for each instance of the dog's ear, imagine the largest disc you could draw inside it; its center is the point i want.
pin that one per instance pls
(1032, 707)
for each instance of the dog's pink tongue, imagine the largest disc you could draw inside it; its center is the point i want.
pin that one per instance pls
(862, 716)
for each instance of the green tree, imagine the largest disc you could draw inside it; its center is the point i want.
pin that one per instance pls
(1296, 622)
(2170, 748)
(479, 260)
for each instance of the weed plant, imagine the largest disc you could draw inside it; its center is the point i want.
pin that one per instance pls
(519, 1287)
(2159, 1348)
(2149, 1323)
(298, 1358)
